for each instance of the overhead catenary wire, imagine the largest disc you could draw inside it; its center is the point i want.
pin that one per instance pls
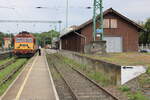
(58, 7)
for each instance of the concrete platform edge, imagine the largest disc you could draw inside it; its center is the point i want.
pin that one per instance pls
(1, 97)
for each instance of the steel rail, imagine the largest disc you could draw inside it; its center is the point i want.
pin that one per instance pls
(86, 77)
(11, 74)
(92, 81)
(7, 64)
(71, 90)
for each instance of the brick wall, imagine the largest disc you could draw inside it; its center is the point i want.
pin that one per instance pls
(126, 30)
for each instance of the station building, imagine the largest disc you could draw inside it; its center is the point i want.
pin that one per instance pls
(121, 34)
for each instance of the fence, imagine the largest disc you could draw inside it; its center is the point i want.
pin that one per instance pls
(144, 47)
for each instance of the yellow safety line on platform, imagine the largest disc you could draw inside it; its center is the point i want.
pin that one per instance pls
(25, 81)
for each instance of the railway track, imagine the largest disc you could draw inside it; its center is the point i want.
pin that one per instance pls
(7, 64)
(6, 54)
(62, 88)
(80, 86)
(11, 74)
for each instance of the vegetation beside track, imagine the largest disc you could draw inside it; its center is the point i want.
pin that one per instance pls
(143, 83)
(133, 95)
(50, 63)
(6, 60)
(101, 79)
(65, 69)
(7, 71)
(92, 73)
(131, 59)
(124, 59)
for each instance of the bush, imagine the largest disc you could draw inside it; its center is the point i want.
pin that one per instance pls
(99, 77)
(148, 71)
(124, 88)
(137, 96)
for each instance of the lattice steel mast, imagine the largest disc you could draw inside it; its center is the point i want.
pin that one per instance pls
(98, 19)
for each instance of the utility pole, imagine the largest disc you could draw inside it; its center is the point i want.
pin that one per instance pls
(67, 6)
(98, 19)
(60, 26)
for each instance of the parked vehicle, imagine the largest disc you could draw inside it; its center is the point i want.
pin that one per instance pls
(145, 51)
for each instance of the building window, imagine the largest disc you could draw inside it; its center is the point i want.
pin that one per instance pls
(110, 23)
(106, 23)
(113, 23)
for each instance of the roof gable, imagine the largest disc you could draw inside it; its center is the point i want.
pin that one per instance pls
(110, 10)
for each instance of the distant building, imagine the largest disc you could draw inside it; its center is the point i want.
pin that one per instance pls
(55, 43)
(7, 43)
(121, 34)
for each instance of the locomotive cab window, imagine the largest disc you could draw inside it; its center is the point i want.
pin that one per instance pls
(27, 40)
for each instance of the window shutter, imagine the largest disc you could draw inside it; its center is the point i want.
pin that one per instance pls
(106, 23)
(114, 23)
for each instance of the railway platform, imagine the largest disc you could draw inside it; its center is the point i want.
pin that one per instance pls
(33, 83)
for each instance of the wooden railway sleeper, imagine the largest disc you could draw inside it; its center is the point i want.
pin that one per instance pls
(71, 90)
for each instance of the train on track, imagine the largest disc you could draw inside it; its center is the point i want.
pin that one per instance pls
(25, 44)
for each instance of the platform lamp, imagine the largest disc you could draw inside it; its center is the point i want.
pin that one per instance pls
(98, 18)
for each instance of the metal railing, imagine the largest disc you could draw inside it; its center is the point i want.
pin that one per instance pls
(144, 47)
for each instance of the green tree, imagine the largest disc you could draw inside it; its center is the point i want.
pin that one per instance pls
(46, 37)
(145, 36)
(2, 35)
(1, 39)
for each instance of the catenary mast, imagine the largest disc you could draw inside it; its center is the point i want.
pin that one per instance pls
(98, 19)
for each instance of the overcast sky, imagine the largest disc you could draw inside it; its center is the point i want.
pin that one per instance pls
(137, 10)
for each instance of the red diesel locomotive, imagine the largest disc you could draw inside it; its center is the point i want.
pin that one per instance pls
(25, 44)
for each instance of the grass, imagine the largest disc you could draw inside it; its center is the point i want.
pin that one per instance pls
(99, 78)
(72, 62)
(124, 88)
(56, 76)
(6, 85)
(95, 75)
(132, 95)
(136, 96)
(7, 71)
(11, 67)
(144, 80)
(5, 60)
(148, 70)
(130, 58)
(103, 80)
(121, 59)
